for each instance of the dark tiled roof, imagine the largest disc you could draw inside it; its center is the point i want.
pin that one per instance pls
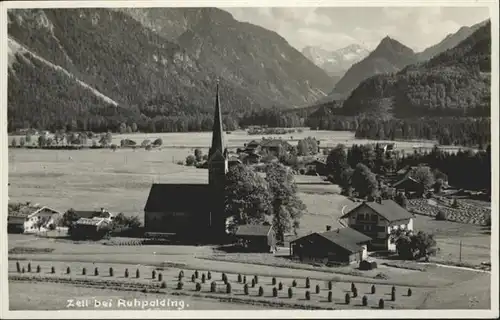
(15, 219)
(346, 238)
(407, 179)
(178, 197)
(87, 214)
(275, 143)
(388, 209)
(253, 230)
(89, 222)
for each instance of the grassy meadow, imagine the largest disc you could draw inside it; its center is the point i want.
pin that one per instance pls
(120, 181)
(237, 138)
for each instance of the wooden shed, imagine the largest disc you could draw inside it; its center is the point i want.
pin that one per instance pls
(257, 238)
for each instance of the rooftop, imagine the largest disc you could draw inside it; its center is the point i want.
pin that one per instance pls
(388, 209)
(253, 230)
(177, 197)
(347, 238)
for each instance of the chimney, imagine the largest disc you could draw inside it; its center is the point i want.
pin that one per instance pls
(102, 210)
(328, 228)
(379, 200)
(338, 230)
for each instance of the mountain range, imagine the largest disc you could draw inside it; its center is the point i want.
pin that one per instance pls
(456, 82)
(97, 68)
(147, 63)
(391, 56)
(450, 41)
(335, 62)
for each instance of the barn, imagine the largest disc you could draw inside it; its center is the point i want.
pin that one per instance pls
(256, 238)
(340, 246)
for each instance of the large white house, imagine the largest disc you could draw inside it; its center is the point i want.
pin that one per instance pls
(41, 219)
(377, 219)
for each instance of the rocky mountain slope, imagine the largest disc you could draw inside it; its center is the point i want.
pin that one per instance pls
(99, 67)
(450, 41)
(389, 56)
(336, 62)
(454, 83)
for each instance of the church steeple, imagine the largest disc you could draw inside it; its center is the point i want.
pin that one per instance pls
(218, 143)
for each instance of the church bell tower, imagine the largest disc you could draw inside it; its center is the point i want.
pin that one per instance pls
(217, 169)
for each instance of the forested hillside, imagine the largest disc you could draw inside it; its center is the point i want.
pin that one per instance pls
(99, 67)
(454, 83)
(389, 56)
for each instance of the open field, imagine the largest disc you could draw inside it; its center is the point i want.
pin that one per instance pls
(237, 138)
(170, 259)
(120, 182)
(90, 179)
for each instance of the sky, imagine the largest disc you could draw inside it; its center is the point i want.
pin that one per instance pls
(334, 28)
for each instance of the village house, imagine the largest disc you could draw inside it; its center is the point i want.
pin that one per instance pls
(42, 219)
(377, 219)
(256, 238)
(252, 147)
(91, 224)
(387, 147)
(90, 228)
(340, 246)
(316, 166)
(410, 187)
(276, 147)
(252, 158)
(28, 218)
(15, 224)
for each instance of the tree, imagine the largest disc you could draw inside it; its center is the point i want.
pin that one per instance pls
(438, 185)
(337, 162)
(42, 141)
(69, 217)
(413, 246)
(401, 199)
(287, 208)
(247, 194)
(22, 141)
(145, 143)
(190, 160)
(134, 127)
(198, 154)
(364, 181)
(123, 128)
(158, 142)
(424, 176)
(28, 137)
(13, 143)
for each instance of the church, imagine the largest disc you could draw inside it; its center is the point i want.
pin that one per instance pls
(193, 211)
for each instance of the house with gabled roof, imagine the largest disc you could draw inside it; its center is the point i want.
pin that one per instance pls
(256, 237)
(31, 218)
(377, 219)
(340, 246)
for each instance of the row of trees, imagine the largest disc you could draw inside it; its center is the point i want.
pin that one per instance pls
(359, 167)
(252, 199)
(447, 131)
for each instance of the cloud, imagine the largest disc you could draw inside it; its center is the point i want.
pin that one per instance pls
(336, 27)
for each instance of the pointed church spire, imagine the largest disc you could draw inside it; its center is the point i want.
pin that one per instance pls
(217, 130)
